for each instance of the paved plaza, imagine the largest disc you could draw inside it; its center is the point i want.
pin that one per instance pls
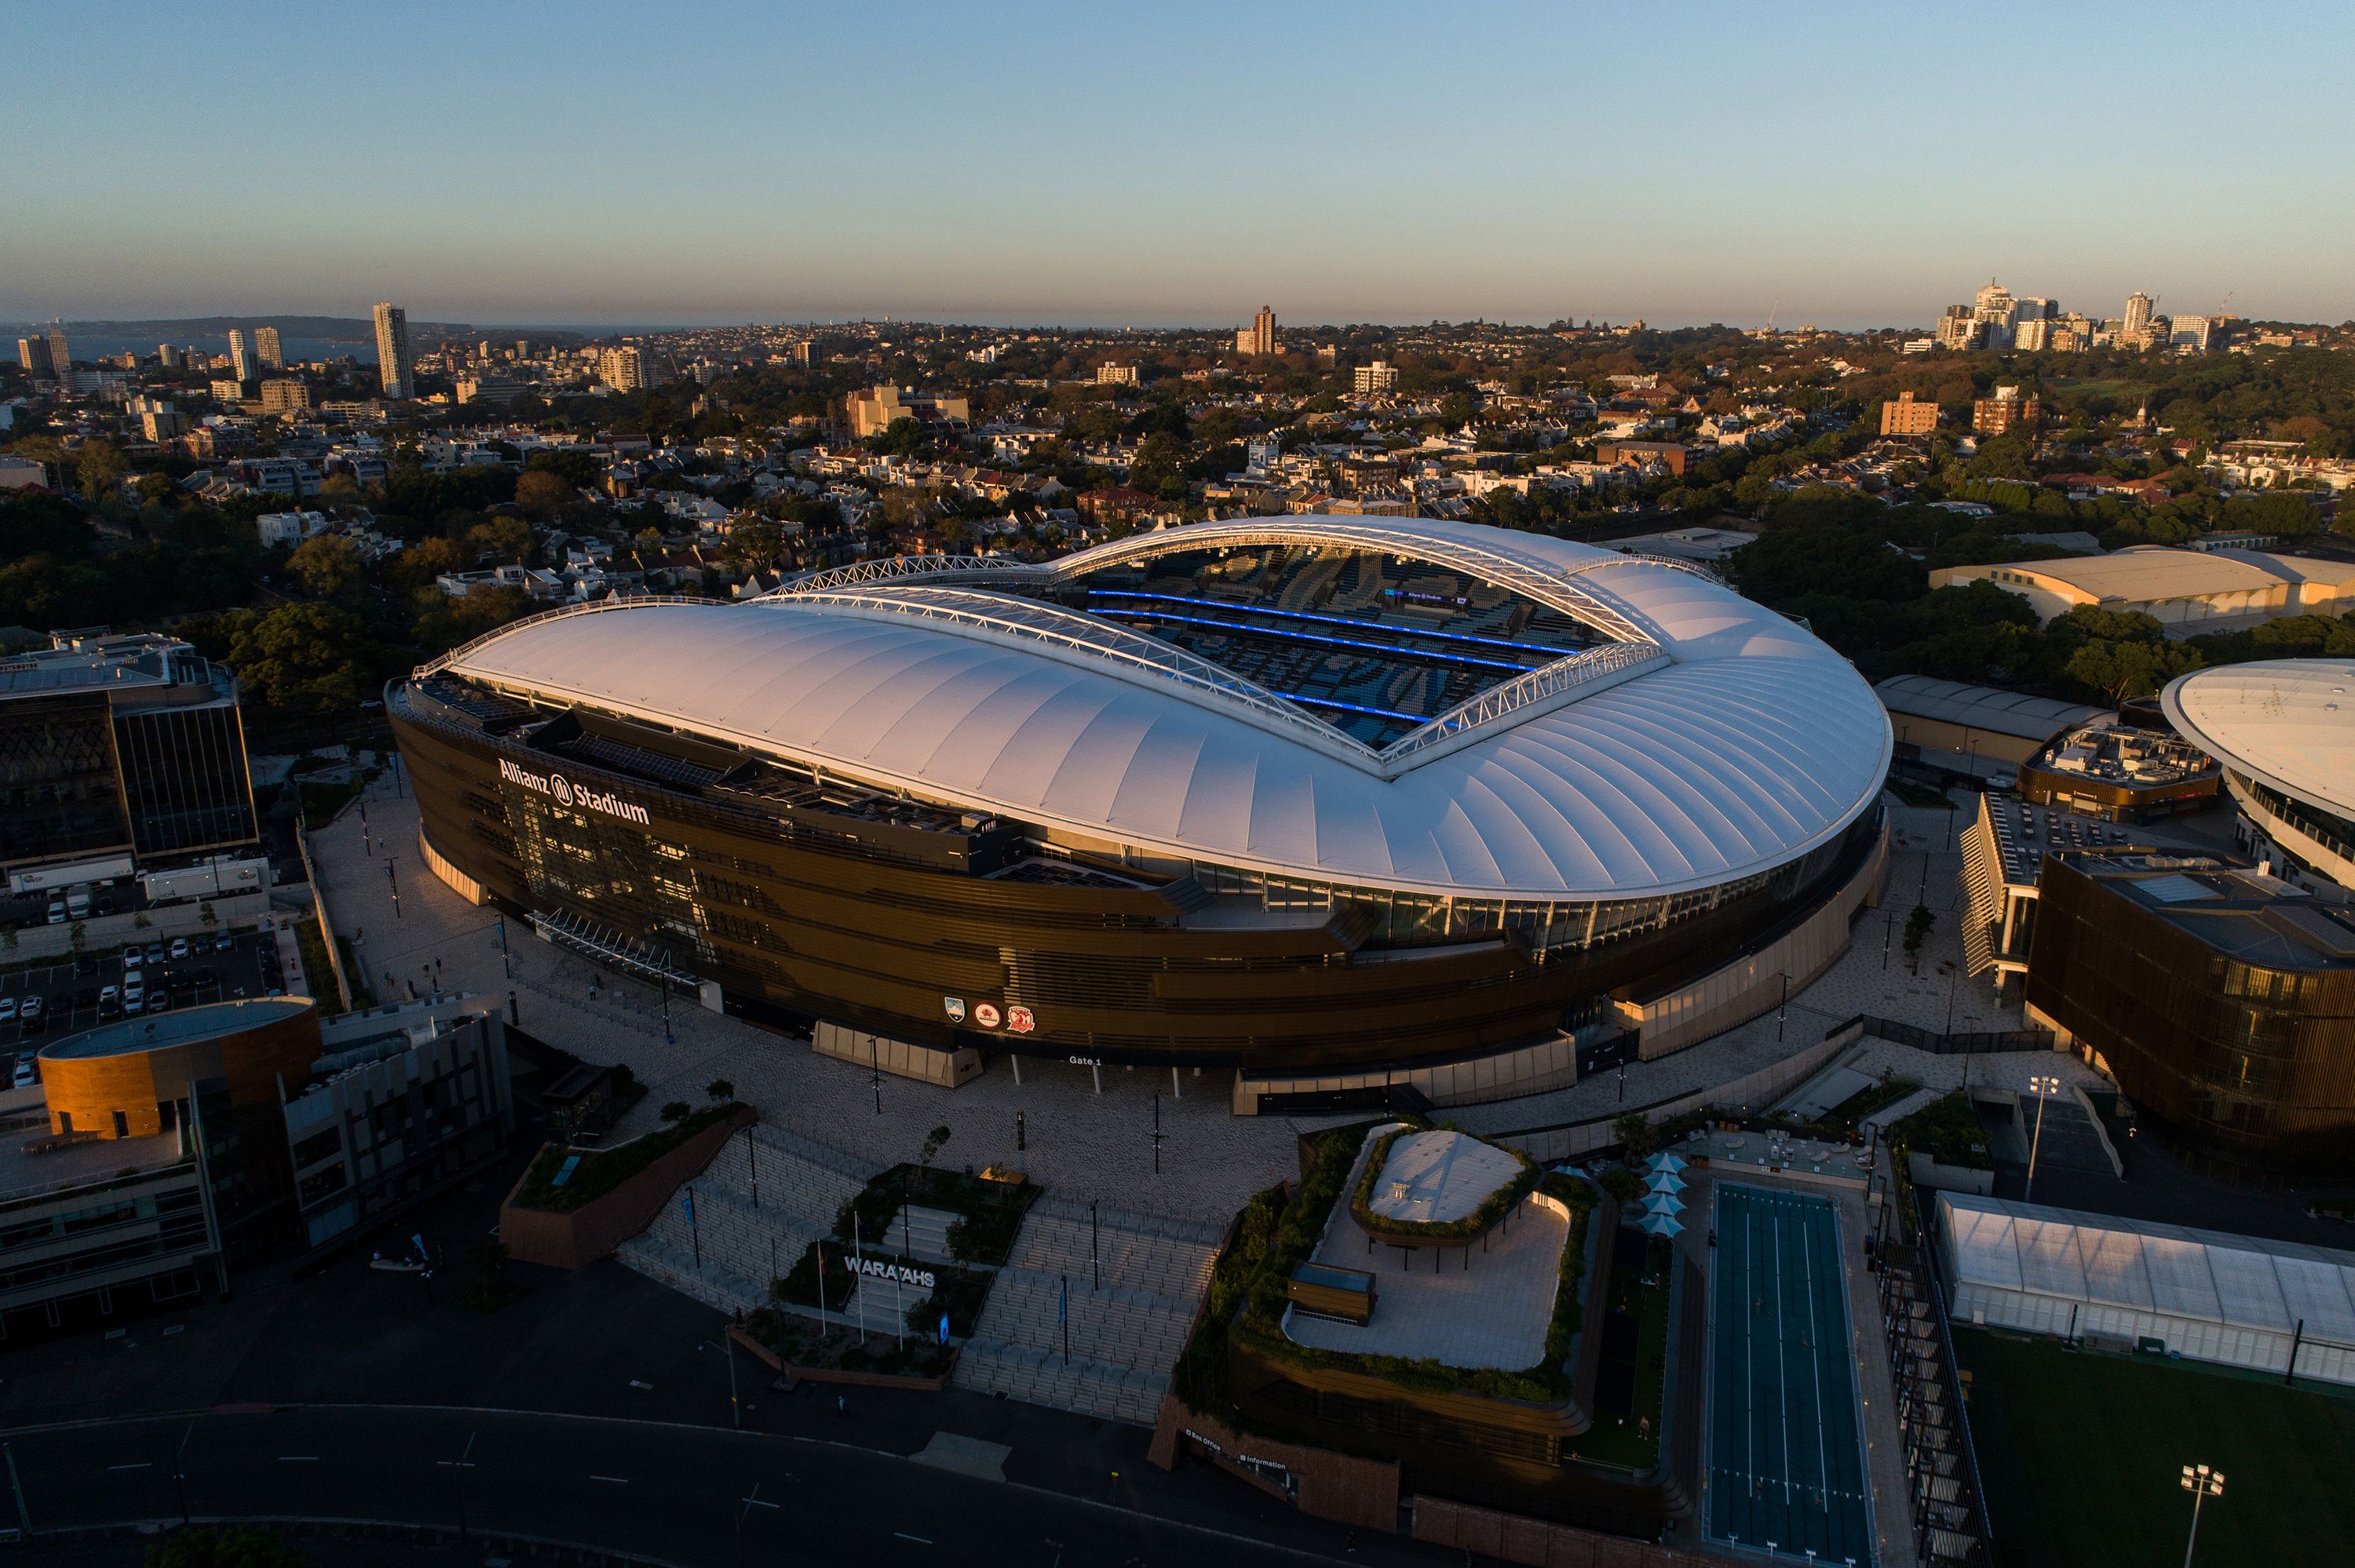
(1079, 1141)
(1485, 1305)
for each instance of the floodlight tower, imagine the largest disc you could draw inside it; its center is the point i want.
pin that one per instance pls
(2202, 1483)
(2044, 1089)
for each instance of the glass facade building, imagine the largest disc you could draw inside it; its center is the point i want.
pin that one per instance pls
(2225, 1010)
(130, 743)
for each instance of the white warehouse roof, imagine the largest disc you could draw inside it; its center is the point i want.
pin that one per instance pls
(1711, 739)
(2290, 723)
(2139, 1265)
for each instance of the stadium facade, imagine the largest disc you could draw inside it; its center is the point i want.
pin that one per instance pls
(2284, 731)
(1332, 801)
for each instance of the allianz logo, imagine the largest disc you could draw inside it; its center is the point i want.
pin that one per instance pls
(564, 793)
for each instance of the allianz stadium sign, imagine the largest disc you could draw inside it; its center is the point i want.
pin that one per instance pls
(564, 793)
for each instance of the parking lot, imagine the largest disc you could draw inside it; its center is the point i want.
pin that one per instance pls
(78, 993)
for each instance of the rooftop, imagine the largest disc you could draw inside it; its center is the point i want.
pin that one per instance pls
(97, 662)
(1989, 708)
(2201, 1276)
(2123, 755)
(2234, 909)
(1432, 1177)
(2289, 723)
(182, 1026)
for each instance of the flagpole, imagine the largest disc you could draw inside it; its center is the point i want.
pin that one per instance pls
(859, 1284)
(820, 1288)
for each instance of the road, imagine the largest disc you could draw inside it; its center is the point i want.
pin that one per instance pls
(674, 1493)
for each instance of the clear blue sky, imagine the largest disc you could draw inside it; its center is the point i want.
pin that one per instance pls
(1112, 163)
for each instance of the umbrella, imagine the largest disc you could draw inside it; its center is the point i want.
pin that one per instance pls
(1660, 1225)
(1666, 1182)
(1669, 1162)
(1663, 1203)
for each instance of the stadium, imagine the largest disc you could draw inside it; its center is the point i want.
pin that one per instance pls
(1337, 802)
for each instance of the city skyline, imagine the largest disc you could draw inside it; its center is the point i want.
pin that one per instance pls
(932, 172)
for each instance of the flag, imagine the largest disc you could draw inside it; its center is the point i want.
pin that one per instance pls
(687, 1201)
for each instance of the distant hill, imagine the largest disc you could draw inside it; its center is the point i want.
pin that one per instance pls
(357, 328)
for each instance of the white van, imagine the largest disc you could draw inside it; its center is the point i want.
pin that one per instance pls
(77, 903)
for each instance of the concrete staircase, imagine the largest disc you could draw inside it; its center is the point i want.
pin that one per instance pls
(922, 1232)
(1124, 1336)
(802, 1186)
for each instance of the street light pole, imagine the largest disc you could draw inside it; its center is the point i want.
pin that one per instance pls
(2202, 1483)
(2044, 1089)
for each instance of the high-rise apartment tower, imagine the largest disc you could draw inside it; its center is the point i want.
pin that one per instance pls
(392, 352)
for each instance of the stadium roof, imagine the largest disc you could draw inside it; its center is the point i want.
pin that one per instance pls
(2147, 573)
(2102, 1260)
(1709, 739)
(2290, 723)
(1989, 708)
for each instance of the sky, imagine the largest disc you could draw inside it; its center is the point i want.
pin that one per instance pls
(1113, 164)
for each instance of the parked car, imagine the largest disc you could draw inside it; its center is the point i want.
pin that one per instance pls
(131, 957)
(154, 952)
(27, 1075)
(179, 947)
(159, 1002)
(107, 993)
(224, 942)
(57, 911)
(208, 975)
(133, 990)
(34, 1007)
(7, 1010)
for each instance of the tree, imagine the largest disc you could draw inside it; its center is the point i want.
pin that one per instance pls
(1635, 1134)
(328, 565)
(720, 1090)
(676, 1110)
(79, 935)
(1917, 931)
(245, 1546)
(544, 494)
(98, 466)
(206, 913)
(501, 538)
(301, 658)
(933, 1142)
(1160, 458)
(418, 565)
(141, 922)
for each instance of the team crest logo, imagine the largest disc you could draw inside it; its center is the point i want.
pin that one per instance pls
(986, 1016)
(955, 1004)
(1018, 1020)
(561, 789)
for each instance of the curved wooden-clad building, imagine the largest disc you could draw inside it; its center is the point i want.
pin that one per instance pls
(1305, 795)
(120, 1080)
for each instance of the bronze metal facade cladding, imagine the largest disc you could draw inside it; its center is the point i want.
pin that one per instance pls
(897, 930)
(2249, 1070)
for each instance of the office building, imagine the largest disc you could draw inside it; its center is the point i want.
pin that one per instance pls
(2033, 336)
(1087, 801)
(1907, 415)
(60, 355)
(2220, 1000)
(159, 421)
(241, 362)
(1111, 375)
(393, 365)
(1375, 378)
(2281, 730)
(266, 348)
(873, 411)
(2009, 409)
(1961, 330)
(2136, 322)
(116, 746)
(33, 355)
(284, 395)
(1260, 336)
(623, 368)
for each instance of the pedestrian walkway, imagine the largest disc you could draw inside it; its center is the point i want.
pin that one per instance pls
(1092, 1310)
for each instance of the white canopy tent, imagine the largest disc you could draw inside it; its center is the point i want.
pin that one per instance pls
(2235, 1299)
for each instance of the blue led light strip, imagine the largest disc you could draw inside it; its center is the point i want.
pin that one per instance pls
(1392, 649)
(1337, 620)
(1349, 707)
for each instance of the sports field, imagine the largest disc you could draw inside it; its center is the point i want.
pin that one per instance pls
(2082, 1455)
(1785, 1450)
